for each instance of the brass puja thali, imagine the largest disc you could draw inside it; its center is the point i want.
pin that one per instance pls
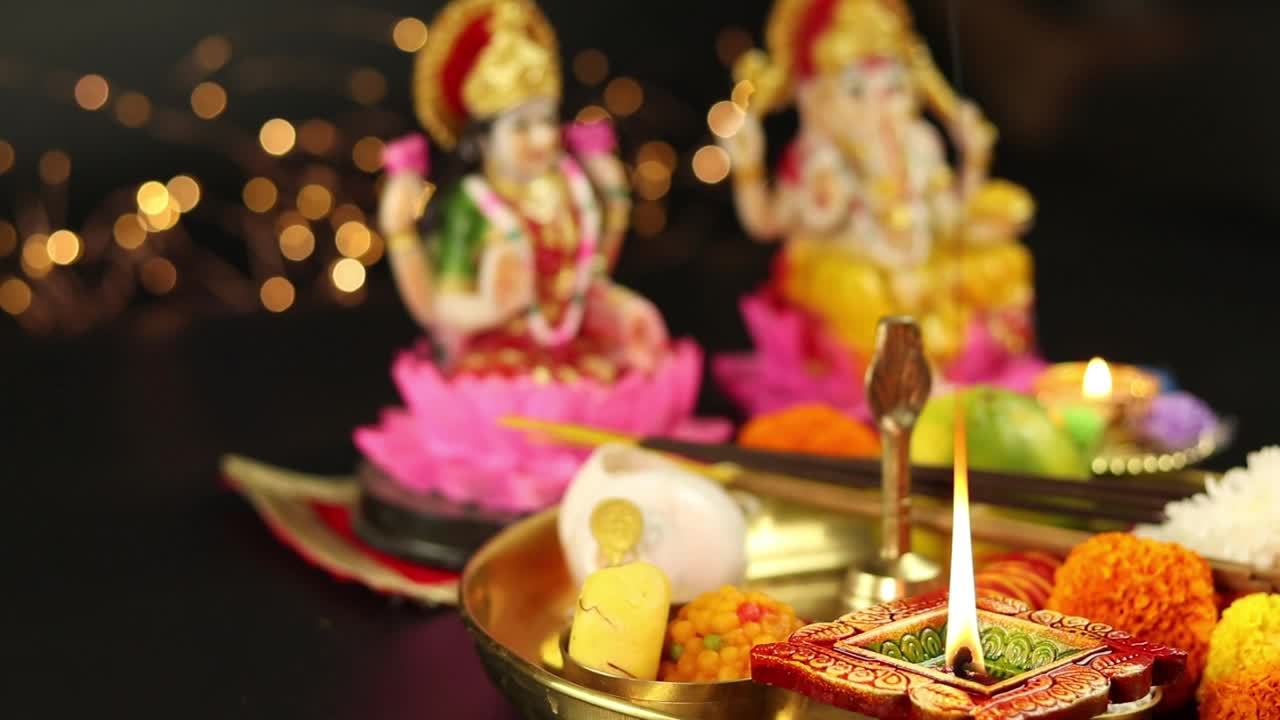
(517, 598)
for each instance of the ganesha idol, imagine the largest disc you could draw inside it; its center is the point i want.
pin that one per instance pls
(507, 271)
(875, 220)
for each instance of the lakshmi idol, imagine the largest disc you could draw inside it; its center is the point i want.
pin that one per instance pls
(507, 271)
(875, 220)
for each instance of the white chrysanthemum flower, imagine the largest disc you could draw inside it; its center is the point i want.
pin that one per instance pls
(1236, 518)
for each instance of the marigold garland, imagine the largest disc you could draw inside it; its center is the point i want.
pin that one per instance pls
(811, 428)
(1157, 591)
(1246, 639)
(1252, 695)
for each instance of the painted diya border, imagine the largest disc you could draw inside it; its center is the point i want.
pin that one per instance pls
(832, 663)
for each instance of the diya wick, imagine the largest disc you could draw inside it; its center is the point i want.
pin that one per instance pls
(898, 382)
(1114, 394)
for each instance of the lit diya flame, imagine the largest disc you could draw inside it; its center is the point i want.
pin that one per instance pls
(964, 645)
(1097, 380)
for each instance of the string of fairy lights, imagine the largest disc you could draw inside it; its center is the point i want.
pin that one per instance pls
(308, 182)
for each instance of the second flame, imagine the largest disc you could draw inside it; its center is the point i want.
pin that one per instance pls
(962, 605)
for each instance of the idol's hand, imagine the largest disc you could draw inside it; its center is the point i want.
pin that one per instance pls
(644, 335)
(973, 135)
(506, 278)
(404, 196)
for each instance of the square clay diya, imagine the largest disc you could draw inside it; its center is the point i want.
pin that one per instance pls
(888, 662)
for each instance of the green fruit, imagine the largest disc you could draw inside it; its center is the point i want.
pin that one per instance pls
(1007, 432)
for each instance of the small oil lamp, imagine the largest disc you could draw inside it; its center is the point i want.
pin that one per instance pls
(1091, 398)
(958, 655)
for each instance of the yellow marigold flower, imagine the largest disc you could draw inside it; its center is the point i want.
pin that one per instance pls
(1251, 695)
(1154, 590)
(1247, 638)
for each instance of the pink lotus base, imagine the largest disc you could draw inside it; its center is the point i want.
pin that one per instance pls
(797, 361)
(447, 440)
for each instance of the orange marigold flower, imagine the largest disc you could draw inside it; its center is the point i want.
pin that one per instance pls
(1154, 590)
(812, 428)
(1247, 638)
(1251, 695)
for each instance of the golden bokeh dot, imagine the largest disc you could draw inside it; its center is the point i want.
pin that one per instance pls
(153, 197)
(208, 100)
(653, 184)
(35, 255)
(592, 113)
(129, 231)
(259, 194)
(15, 296)
(657, 151)
(623, 96)
(591, 67)
(6, 157)
(377, 246)
(185, 190)
(54, 167)
(165, 219)
(213, 52)
(367, 154)
(314, 201)
(648, 218)
(653, 170)
(317, 136)
(352, 239)
(409, 34)
(8, 238)
(742, 93)
(725, 119)
(277, 294)
(345, 213)
(711, 164)
(368, 86)
(277, 136)
(158, 275)
(348, 275)
(287, 217)
(297, 242)
(731, 43)
(63, 247)
(133, 109)
(92, 91)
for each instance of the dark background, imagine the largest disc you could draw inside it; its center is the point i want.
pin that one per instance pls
(1144, 129)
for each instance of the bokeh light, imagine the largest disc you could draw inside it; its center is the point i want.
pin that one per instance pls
(15, 296)
(649, 218)
(63, 247)
(352, 239)
(8, 238)
(129, 231)
(158, 275)
(591, 67)
(592, 113)
(623, 96)
(409, 34)
(348, 275)
(54, 167)
(657, 151)
(277, 136)
(208, 100)
(92, 91)
(133, 109)
(314, 201)
(367, 154)
(35, 256)
(6, 157)
(725, 119)
(317, 136)
(259, 195)
(711, 164)
(276, 294)
(742, 93)
(345, 213)
(368, 86)
(185, 190)
(153, 197)
(377, 246)
(165, 219)
(297, 242)
(652, 179)
(212, 53)
(731, 43)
